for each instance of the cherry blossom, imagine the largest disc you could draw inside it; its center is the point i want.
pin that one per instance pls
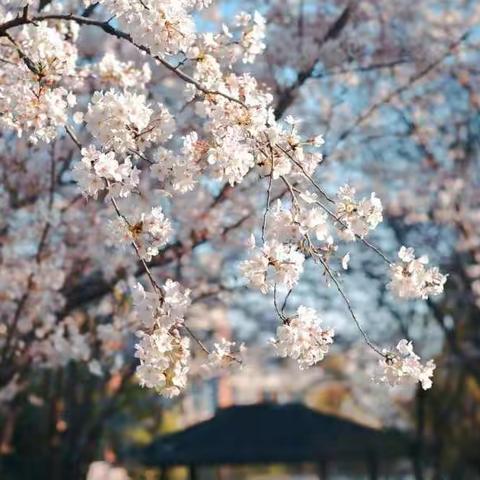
(164, 27)
(32, 97)
(149, 231)
(302, 338)
(164, 359)
(180, 172)
(273, 263)
(357, 217)
(224, 354)
(403, 366)
(123, 121)
(231, 158)
(110, 71)
(410, 278)
(162, 312)
(253, 35)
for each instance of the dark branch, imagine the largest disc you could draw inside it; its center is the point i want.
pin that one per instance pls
(288, 95)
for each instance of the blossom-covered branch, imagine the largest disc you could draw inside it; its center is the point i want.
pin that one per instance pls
(148, 170)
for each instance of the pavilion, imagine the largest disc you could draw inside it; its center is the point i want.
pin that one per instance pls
(276, 434)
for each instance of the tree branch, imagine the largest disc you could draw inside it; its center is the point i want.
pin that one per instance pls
(288, 95)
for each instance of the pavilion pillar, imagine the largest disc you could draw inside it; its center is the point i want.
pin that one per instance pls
(322, 469)
(417, 466)
(164, 473)
(372, 463)
(193, 473)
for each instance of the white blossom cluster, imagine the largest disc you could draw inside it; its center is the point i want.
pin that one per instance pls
(52, 57)
(244, 41)
(163, 352)
(410, 278)
(356, 218)
(122, 121)
(179, 173)
(231, 158)
(164, 361)
(97, 171)
(32, 97)
(165, 27)
(224, 354)
(40, 112)
(240, 131)
(112, 72)
(280, 258)
(404, 366)
(273, 263)
(293, 155)
(149, 231)
(253, 35)
(291, 224)
(164, 312)
(303, 338)
(233, 128)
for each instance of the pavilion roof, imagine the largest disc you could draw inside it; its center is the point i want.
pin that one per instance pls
(270, 433)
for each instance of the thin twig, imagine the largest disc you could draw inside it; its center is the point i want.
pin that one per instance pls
(267, 205)
(153, 282)
(72, 135)
(349, 306)
(197, 340)
(285, 300)
(309, 177)
(275, 304)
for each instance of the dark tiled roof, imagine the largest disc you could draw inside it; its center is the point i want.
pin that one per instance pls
(268, 433)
